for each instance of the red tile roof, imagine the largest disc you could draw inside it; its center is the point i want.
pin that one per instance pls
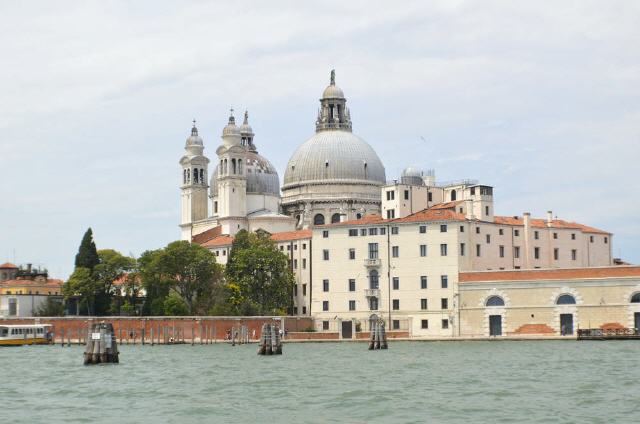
(365, 220)
(207, 235)
(542, 223)
(431, 214)
(291, 235)
(550, 274)
(219, 241)
(8, 265)
(51, 282)
(447, 205)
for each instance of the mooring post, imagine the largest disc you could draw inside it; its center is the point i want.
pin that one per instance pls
(152, 340)
(62, 337)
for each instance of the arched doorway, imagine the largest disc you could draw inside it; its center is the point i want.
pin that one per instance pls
(495, 319)
(566, 319)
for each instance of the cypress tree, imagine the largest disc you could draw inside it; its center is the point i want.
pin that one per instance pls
(87, 256)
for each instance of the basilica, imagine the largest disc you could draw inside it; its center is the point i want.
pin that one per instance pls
(432, 259)
(333, 176)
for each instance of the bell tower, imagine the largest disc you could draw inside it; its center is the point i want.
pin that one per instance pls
(232, 178)
(193, 191)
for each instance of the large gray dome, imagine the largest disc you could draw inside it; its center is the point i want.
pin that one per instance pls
(262, 177)
(334, 156)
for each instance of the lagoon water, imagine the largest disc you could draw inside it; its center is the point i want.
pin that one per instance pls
(412, 382)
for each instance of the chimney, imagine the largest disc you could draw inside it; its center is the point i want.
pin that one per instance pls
(549, 218)
(28, 268)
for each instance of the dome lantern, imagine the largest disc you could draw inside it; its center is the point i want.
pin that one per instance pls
(333, 113)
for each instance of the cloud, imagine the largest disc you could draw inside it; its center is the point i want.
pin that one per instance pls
(538, 99)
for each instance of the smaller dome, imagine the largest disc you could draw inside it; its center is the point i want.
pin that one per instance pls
(194, 139)
(412, 176)
(231, 128)
(332, 92)
(245, 128)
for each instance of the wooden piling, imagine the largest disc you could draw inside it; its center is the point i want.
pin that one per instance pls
(101, 345)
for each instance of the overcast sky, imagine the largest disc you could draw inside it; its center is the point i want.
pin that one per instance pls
(540, 99)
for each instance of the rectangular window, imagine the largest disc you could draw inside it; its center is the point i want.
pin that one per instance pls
(304, 263)
(353, 232)
(423, 229)
(304, 289)
(574, 254)
(423, 281)
(573, 236)
(556, 253)
(295, 264)
(591, 239)
(424, 324)
(606, 240)
(391, 213)
(325, 234)
(477, 230)
(536, 235)
(488, 238)
(395, 304)
(352, 285)
(462, 246)
(373, 231)
(325, 325)
(406, 195)
(295, 290)
(536, 253)
(501, 232)
(486, 210)
(325, 305)
(555, 236)
(443, 228)
(516, 233)
(325, 285)
(478, 248)
(423, 250)
(429, 197)
(444, 281)
(396, 324)
(395, 251)
(516, 252)
(394, 230)
(423, 304)
(445, 324)
(391, 195)
(325, 254)
(304, 246)
(363, 231)
(352, 305)
(443, 249)
(444, 303)
(352, 254)
(501, 251)
(396, 283)
(373, 250)
(304, 310)
(383, 231)
(462, 228)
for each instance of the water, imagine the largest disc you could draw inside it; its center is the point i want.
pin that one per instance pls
(412, 382)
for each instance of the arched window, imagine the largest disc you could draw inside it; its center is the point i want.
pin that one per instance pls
(225, 167)
(184, 176)
(240, 166)
(495, 301)
(188, 175)
(358, 215)
(566, 299)
(233, 166)
(318, 219)
(453, 195)
(373, 279)
(335, 218)
(635, 298)
(195, 175)
(202, 175)
(221, 168)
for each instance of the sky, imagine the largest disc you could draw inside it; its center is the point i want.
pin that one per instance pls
(540, 99)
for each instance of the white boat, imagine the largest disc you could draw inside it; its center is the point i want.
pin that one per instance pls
(25, 334)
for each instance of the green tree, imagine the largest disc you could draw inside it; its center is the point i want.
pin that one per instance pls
(112, 266)
(151, 278)
(174, 305)
(262, 274)
(87, 256)
(82, 285)
(51, 308)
